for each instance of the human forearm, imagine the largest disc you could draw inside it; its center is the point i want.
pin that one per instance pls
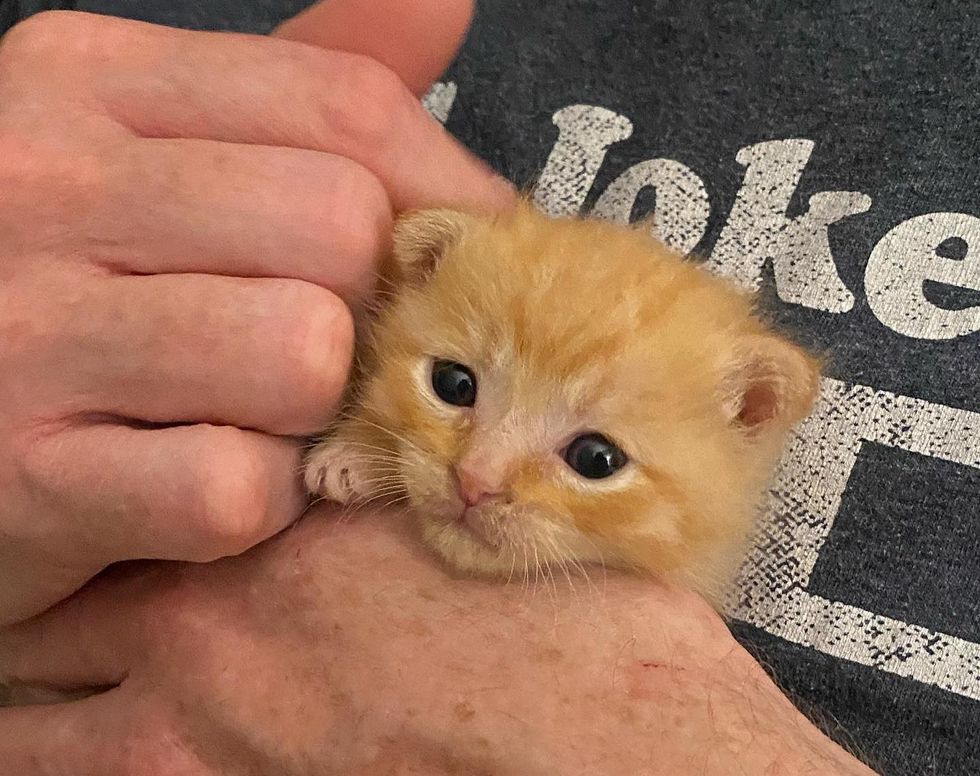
(344, 649)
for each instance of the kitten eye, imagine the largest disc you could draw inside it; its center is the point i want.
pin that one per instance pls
(594, 457)
(454, 383)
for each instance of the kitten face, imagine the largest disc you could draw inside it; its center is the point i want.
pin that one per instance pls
(494, 483)
(555, 392)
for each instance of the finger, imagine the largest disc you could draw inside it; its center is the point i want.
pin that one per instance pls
(272, 355)
(83, 642)
(80, 738)
(255, 211)
(162, 82)
(183, 493)
(416, 40)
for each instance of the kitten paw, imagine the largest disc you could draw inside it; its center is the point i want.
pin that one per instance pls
(330, 473)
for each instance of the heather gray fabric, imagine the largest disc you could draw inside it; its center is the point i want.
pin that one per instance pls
(863, 593)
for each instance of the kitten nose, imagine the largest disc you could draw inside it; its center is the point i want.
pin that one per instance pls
(472, 487)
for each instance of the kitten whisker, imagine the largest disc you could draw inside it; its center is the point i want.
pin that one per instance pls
(371, 456)
(383, 478)
(376, 494)
(379, 493)
(389, 503)
(368, 446)
(394, 434)
(602, 562)
(537, 566)
(392, 461)
(360, 455)
(527, 571)
(549, 575)
(580, 568)
(560, 553)
(310, 506)
(513, 563)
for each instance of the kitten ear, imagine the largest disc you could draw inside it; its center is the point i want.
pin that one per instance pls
(771, 384)
(421, 238)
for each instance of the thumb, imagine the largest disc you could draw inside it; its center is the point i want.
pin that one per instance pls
(417, 40)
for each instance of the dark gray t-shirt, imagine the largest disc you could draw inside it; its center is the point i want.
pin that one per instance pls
(825, 152)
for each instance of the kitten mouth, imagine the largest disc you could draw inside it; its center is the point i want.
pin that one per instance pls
(470, 523)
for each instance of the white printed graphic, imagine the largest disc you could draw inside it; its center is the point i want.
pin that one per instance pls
(680, 217)
(772, 589)
(906, 257)
(439, 100)
(759, 231)
(585, 133)
(806, 495)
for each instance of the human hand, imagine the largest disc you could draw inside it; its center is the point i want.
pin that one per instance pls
(342, 649)
(183, 216)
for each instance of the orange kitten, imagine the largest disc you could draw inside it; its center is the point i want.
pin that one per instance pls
(554, 392)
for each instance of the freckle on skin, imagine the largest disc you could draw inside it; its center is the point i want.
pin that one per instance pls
(464, 712)
(418, 628)
(627, 714)
(425, 594)
(549, 655)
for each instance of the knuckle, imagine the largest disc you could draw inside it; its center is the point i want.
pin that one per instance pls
(55, 180)
(45, 37)
(371, 105)
(369, 77)
(229, 515)
(318, 351)
(357, 227)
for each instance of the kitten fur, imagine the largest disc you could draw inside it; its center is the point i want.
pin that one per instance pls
(570, 326)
